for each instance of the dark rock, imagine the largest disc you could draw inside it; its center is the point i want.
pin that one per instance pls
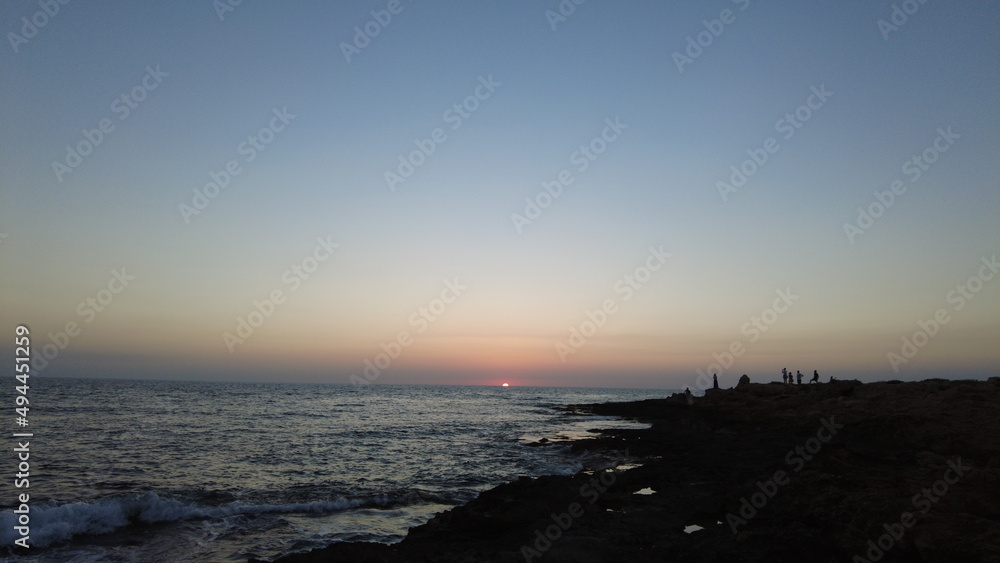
(744, 383)
(794, 473)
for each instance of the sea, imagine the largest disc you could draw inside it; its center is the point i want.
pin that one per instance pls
(208, 471)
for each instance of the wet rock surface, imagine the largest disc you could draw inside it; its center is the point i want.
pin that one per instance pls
(838, 471)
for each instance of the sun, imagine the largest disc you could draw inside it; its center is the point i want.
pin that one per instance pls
(505, 385)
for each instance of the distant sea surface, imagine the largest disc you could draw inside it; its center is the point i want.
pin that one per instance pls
(182, 471)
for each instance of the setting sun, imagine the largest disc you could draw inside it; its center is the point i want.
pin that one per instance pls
(505, 385)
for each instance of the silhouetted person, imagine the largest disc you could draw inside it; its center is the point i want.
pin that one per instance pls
(798, 376)
(715, 381)
(815, 378)
(832, 379)
(784, 375)
(688, 396)
(744, 380)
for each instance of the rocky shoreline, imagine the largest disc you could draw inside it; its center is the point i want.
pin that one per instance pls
(839, 471)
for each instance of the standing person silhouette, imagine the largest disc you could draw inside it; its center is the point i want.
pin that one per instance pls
(815, 378)
(715, 381)
(798, 376)
(784, 375)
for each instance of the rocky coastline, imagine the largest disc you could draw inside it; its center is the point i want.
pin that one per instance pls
(840, 471)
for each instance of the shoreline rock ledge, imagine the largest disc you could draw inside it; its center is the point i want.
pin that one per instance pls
(840, 471)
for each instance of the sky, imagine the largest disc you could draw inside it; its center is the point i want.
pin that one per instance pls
(616, 194)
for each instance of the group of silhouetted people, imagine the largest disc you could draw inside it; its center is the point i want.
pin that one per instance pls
(789, 378)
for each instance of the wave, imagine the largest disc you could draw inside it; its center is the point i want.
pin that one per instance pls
(52, 523)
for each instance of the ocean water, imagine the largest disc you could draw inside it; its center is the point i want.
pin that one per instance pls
(193, 471)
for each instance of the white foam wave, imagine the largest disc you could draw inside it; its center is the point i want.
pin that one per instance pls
(52, 523)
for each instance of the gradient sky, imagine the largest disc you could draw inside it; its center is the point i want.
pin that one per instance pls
(221, 80)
